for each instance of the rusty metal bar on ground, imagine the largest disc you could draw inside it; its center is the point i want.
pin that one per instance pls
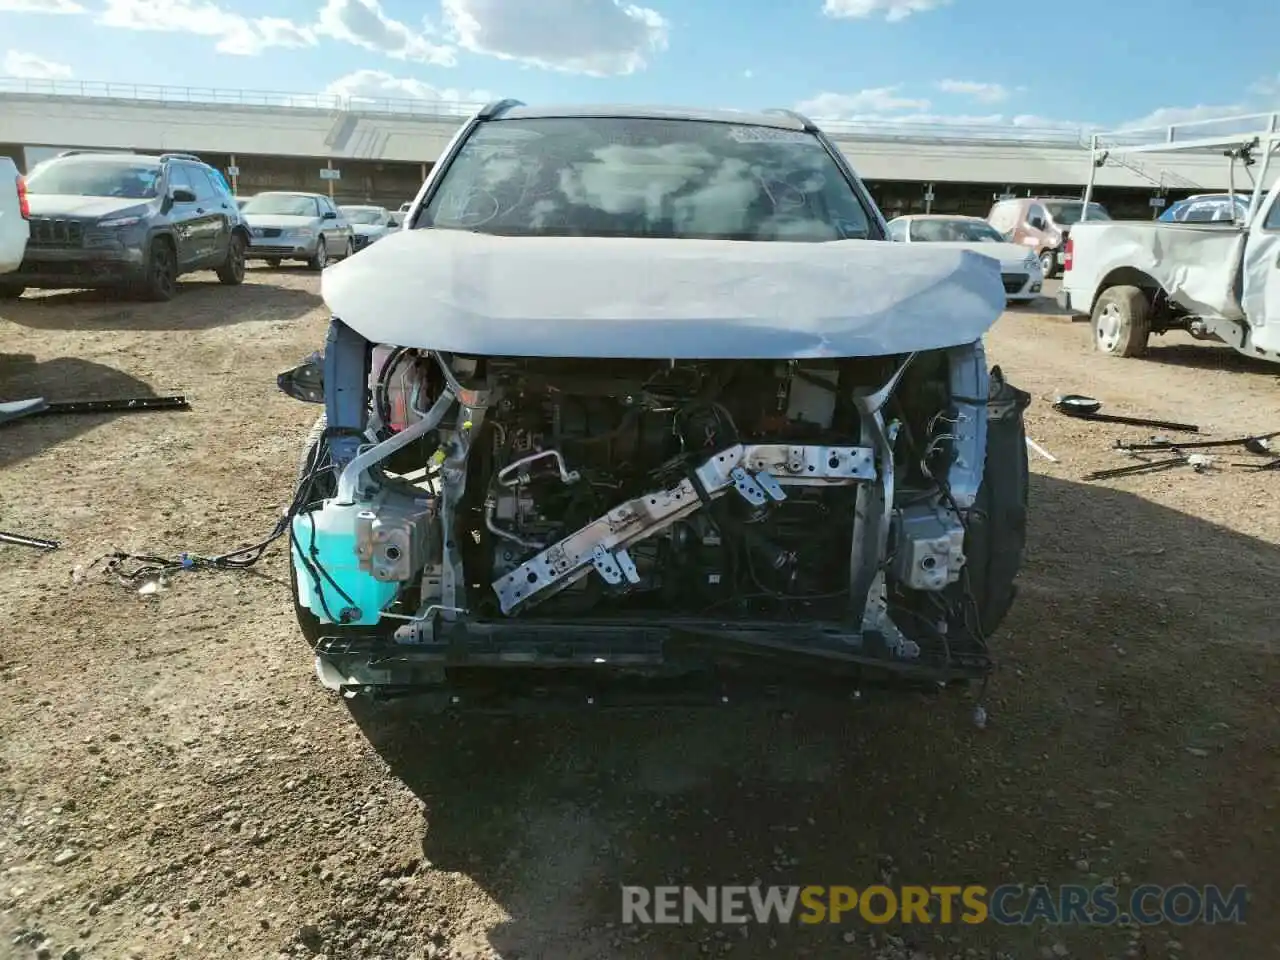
(38, 543)
(38, 407)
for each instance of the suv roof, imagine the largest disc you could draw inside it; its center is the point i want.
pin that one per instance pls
(781, 119)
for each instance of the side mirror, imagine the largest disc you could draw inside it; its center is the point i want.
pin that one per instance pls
(329, 215)
(183, 196)
(393, 224)
(304, 382)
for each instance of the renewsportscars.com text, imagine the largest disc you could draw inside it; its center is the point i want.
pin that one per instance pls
(1009, 904)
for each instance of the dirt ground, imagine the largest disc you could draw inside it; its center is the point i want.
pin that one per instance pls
(174, 782)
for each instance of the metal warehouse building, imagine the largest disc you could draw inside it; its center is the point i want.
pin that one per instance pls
(380, 151)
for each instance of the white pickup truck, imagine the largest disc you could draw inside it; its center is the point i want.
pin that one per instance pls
(1217, 281)
(15, 228)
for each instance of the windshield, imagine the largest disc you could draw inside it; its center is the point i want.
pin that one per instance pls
(955, 231)
(368, 215)
(281, 204)
(1065, 214)
(624, 177)
(95, 178)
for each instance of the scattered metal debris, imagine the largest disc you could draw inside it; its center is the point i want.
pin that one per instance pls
(38, 543)
(1086, 408)
(1041, 450)
(39, 407)
(1146, 466)
(1259, 443)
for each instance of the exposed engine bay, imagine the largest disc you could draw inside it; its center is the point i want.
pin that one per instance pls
(491, 490)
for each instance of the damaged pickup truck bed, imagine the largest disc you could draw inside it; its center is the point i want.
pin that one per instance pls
(646, 396)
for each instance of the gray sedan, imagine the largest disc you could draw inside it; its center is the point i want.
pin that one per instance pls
(297, 226)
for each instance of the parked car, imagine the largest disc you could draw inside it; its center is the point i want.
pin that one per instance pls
(1208, 208)
(297, 226)
(368, 223)
(1020, 270)
(1042, 224)
(15, 227)
(241, 201)
(649, 410)
(130, 222)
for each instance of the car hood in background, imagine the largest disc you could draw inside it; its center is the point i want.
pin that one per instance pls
(471, 293)
(62, 205)
(1009, 254)
(278, 221)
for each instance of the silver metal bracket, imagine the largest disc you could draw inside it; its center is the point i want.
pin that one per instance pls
(576, 555)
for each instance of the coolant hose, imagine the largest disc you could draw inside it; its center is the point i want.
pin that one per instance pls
(350, 478)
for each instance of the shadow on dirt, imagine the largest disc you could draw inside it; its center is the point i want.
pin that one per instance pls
(1207, 356)
(64, 378)
(200, 305)
(1118, 633)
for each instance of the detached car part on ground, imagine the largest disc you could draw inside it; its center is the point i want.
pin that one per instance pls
(127, 222)
(597, 421)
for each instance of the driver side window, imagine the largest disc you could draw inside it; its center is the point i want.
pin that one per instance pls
(1036, 217)
(178, 180)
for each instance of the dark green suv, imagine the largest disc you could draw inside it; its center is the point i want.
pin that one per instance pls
(129, 222)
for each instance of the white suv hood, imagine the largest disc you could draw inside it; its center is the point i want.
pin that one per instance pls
(471, 293)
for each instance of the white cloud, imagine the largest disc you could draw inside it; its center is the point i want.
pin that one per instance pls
(40, 6)
(1165, 116)
(594, 37)
(982, 92)
(893, 10)
(748, 74)
(876, 100)
(379, 85)
(1268, 90)
(235, 34)
(365, 24)
(30, 67)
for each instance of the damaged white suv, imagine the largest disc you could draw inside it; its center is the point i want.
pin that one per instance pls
(640, 399)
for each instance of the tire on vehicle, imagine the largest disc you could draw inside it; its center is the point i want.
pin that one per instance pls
(1049, 264)
(314, 448)
(232, 270)
(997, 524)
(321, 259)
(161, 282)
(1122, 322)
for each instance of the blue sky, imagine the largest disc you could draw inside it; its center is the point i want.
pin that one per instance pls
(1090, 62)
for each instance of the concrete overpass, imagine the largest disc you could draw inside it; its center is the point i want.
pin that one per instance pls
(384, 148)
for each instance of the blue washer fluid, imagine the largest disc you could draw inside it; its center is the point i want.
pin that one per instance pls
(334, 540)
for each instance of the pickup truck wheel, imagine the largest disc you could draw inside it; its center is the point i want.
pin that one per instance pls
(1048, 264)
(232, 271)
(162, 272)
(11, 291)
(1122, 322)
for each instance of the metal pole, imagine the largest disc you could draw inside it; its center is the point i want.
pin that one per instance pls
(928, 198)
(235, 176)
(1093, 166)
(330, 164)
